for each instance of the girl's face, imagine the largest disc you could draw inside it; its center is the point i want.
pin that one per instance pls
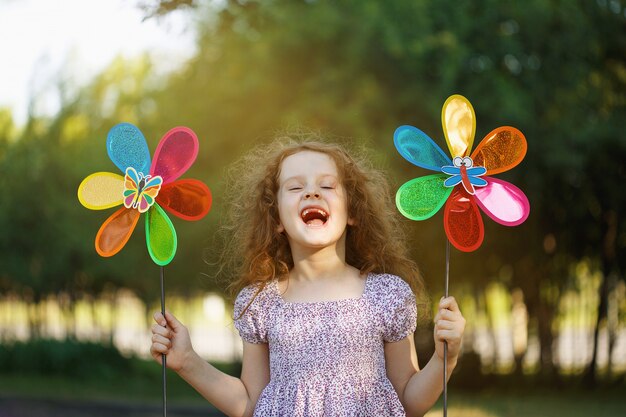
(312, 203)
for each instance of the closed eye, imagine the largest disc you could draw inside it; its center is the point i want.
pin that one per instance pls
(328, 188)
(295, 188)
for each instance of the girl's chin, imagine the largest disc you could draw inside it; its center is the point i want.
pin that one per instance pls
(317, 246)
(314, 242)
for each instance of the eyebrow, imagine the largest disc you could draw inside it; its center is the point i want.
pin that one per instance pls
(300, 177)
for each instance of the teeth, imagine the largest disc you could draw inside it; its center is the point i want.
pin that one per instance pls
(311, 210)
(305, 212)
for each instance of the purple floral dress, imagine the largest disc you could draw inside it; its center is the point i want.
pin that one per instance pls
(327, 358)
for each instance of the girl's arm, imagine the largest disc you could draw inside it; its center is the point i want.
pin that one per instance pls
(417, 389)
(233, 396)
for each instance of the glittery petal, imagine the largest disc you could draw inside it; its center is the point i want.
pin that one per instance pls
(500, 150)
(127, 147)
(115, 231)
(419, 149)
(459, 125)
(462, 221)
(160, 236)
(503, 202)
(175, 153)
(422, 197)
(188, 199)
(101, 190)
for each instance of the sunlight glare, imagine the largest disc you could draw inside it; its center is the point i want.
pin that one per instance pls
(73, 40)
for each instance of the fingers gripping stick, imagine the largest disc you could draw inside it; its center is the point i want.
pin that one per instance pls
(163, 356)
(445, 344)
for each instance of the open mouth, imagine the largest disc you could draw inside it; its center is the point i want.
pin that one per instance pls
(314, 216)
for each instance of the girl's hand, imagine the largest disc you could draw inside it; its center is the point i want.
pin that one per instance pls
(449, 327)
(173, 341)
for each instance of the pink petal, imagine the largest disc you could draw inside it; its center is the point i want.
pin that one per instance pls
(175, 153)
(503, 202)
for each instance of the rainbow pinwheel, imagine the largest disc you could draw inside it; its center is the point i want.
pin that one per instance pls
(146, 187)
(461, 182)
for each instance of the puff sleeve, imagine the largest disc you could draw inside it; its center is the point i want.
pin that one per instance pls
(253, 322)
(399, 310)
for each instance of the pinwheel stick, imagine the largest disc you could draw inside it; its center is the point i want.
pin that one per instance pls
(163, 356)
(445, 344)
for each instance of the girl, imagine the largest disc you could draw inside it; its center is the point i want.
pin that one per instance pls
(325, 295)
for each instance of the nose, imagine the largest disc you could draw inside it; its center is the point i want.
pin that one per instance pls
(311, 194)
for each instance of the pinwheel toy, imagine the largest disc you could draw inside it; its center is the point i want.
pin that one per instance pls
(150, 187)
(461, 182)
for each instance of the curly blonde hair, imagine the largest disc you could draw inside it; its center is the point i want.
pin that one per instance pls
(255, 252)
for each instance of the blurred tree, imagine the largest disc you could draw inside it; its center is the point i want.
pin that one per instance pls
(360, 68)
(163, 7)
(47, 240)
(352, 69)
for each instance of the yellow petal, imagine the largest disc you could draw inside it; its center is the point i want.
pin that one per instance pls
(459, 125)
(101, 190)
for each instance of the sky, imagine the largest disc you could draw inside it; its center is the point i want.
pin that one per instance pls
(40, 39)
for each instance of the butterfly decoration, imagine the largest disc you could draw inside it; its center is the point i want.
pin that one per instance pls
(148, 186)
(462, 183)
(140, 191)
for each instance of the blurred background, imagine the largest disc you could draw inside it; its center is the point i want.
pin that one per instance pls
(545, 302)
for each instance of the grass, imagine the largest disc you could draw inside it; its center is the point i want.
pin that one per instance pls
(569, 403)
(143, 385)
(138, 390)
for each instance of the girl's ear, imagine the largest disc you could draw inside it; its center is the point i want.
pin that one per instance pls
(280, 228)
(351, 221)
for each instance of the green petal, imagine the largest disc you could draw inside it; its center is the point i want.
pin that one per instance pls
(160, 236)
(421, 198)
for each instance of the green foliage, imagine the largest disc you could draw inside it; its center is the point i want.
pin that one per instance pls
(69, 358)
(355, 70)
(358, 69)
(352, 69)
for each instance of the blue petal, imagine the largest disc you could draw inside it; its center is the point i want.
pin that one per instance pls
(127, 147)
(419, 149)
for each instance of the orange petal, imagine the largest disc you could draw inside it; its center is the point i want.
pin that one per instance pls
(188, 199)
(500, 150)
(115, 231)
